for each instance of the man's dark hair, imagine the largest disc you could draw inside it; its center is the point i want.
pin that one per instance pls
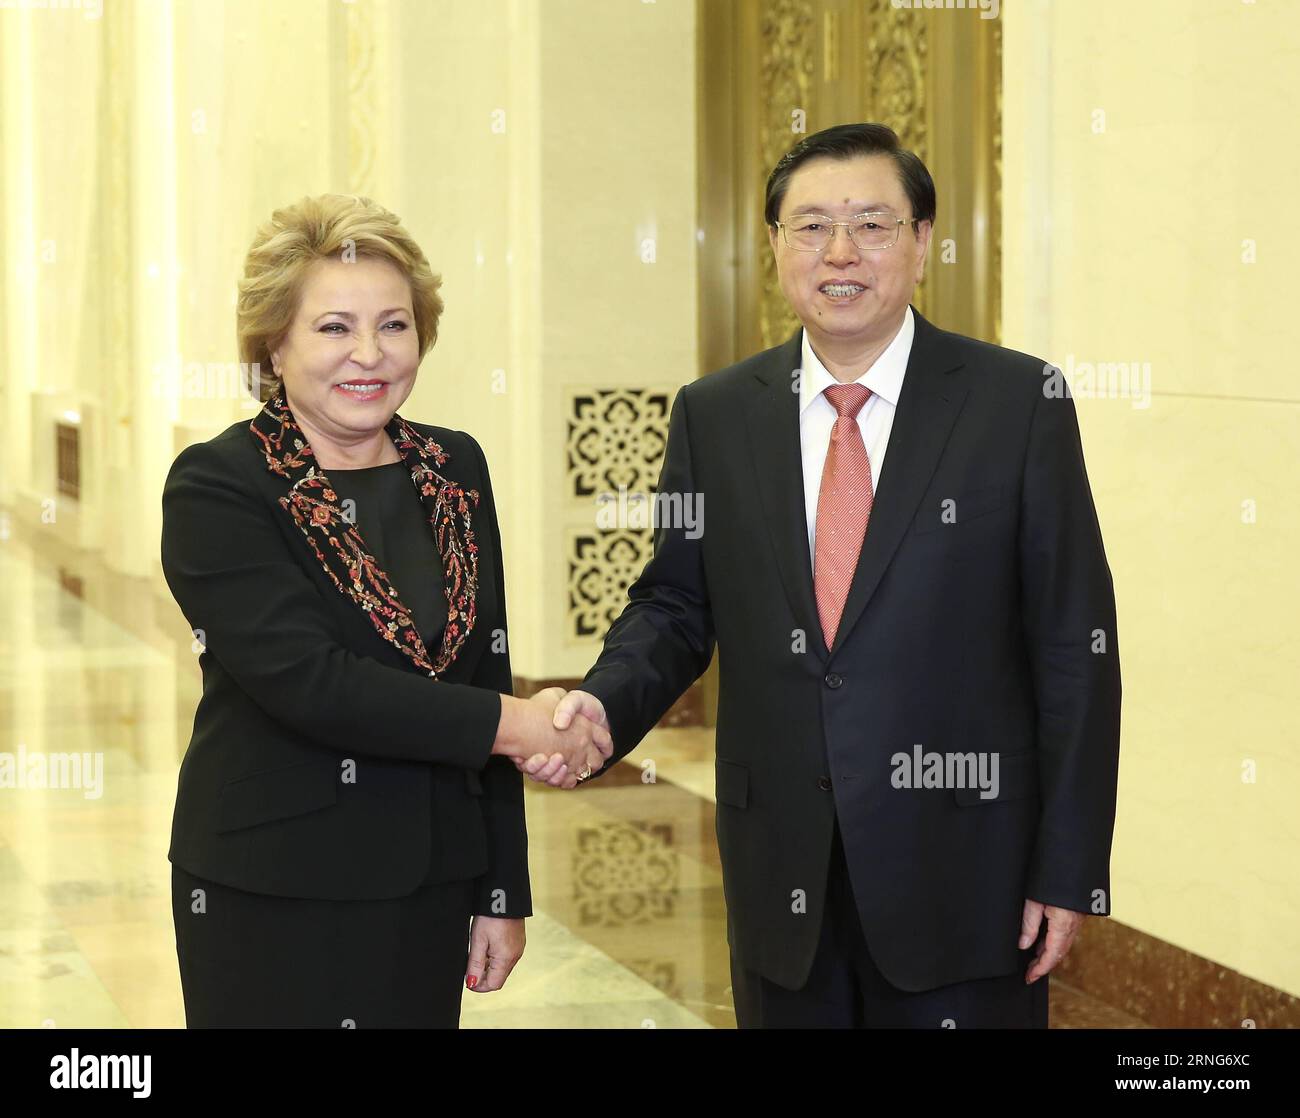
(848, 141)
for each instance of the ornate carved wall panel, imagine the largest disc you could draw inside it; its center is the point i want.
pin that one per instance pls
(614, 444)
(616, 437)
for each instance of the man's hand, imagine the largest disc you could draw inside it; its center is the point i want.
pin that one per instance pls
(576, 704)
(579, 702)
(1063, 925)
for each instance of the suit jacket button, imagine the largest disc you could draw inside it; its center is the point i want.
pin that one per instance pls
(834, 680)
(824, 783)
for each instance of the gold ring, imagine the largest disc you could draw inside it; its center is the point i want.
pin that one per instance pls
(586, 772)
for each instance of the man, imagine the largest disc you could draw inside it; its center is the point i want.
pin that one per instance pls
(918, 715)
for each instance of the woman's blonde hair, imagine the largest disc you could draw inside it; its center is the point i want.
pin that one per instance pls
(328, 226)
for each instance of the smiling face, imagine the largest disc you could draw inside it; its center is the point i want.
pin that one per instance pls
(350, 356)
(845, 296)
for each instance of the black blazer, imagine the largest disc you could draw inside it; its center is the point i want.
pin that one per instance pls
(334, 755)
(979, 635)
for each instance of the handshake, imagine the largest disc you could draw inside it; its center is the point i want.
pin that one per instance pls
(557, 738)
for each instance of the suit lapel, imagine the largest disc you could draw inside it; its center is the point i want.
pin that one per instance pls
(777, 460)
(315, 509)
(931, 398)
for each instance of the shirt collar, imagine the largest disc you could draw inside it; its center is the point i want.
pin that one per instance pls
(884, 378)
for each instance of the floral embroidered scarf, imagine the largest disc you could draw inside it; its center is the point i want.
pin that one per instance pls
(337, 543)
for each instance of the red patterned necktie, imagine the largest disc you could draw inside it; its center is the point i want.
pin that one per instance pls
(843, 507)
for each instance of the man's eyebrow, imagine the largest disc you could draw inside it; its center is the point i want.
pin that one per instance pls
(854, 208)
(350, 316)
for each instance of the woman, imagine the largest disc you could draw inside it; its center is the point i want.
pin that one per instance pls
(349, 810)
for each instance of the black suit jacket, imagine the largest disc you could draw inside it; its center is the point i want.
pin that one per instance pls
(333, 754)
(977, 636)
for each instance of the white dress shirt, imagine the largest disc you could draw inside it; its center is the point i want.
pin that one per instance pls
(817, 414)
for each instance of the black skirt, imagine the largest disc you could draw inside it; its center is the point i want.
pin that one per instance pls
(255, 961)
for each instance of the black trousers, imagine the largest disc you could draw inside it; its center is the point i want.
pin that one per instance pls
(249, 960)
(845, 990)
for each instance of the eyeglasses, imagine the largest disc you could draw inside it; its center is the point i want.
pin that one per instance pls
(870, 231)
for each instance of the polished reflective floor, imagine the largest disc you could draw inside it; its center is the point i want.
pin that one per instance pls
(630, 924)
